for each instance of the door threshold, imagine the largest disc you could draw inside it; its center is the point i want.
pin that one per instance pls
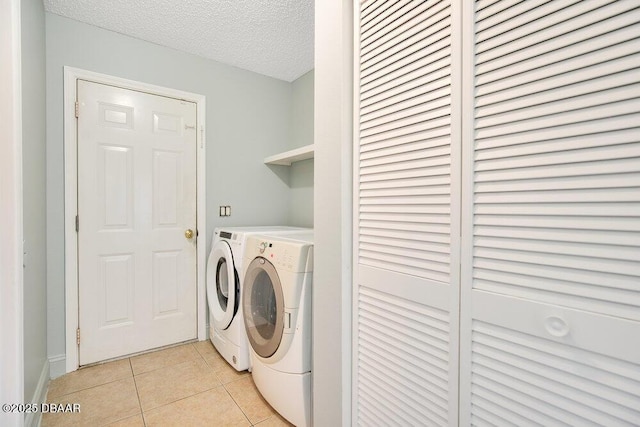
(126, 356)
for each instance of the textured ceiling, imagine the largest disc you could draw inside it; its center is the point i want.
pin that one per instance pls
(271, 37)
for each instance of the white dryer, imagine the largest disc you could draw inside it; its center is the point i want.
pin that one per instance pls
(224, 279)
(277, 316)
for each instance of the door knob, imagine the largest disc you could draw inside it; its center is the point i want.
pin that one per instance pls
(188, 234)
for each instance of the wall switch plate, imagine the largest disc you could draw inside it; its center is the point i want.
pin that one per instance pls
(224, 210)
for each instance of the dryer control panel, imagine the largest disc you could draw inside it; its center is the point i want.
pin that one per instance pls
(279, 255)
(283, 254)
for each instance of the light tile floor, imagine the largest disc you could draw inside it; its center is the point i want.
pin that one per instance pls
(187, 385)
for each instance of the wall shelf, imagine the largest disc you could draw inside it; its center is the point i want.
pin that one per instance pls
(291, 156)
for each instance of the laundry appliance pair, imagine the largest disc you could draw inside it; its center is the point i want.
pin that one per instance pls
(224, 290)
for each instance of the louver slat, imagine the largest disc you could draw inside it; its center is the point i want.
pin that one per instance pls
(527, 19)
(592, 86)
(583, 53)
(562, 38)
(409, 76)
(407, 25)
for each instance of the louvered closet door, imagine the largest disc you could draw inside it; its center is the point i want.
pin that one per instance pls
(551, 265)
(406, 270)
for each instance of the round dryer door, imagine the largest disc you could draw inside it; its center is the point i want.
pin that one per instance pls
(263, 305)
(223, 287)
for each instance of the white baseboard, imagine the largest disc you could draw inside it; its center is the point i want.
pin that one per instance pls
(33, 419)
(57, 365)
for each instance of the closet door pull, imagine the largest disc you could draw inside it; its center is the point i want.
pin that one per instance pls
(556, 326)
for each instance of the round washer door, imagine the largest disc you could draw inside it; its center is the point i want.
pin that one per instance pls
(223, 287)
(263, 305)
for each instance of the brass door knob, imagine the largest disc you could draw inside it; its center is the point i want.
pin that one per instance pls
(188, 234)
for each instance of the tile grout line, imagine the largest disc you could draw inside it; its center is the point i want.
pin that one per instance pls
(135, 383)
(199, 354)
(178, 400)
(224, 386)
(70, 415)
(238, 405)
(217, 377)
(181, 399)
(164, 366)
(194, 359)
(85, 389)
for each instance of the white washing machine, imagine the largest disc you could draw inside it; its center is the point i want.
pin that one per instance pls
(277, 317)
(224, 279)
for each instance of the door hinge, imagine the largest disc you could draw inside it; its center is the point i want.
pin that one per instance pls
(77, 109)
(78, 336)
(77, 223)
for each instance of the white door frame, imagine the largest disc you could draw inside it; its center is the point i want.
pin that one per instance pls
(11, 275)
(71, 198)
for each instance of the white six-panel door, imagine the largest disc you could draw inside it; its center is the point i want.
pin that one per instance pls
(136, 199)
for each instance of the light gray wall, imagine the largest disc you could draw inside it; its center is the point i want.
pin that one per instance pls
(34, 196)
(301, 184)
(248, 119)
(333, 217)
(301, 175)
